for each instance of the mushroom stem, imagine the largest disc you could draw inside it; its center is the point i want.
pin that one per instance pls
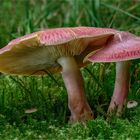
(121, 88)
(78, 105)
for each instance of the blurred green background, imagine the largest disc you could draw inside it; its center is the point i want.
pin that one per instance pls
(48, 94)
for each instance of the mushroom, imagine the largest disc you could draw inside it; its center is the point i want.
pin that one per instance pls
(132, 104)
(57, 50)
(31, 110)
(123, 46)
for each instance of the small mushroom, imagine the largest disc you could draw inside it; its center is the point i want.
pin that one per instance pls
(132, 104)
(31, 110)
(55, 50)
(123, 46)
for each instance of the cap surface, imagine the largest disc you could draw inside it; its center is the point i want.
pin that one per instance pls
(31, 110)
(132, 104)
(37, 53)
(122, 46)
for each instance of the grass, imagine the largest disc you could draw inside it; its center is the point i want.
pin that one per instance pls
(118, 129)
(48, 94)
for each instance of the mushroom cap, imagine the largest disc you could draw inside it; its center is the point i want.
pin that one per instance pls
(132, 104)
(31, 110)
(37, 53)
(122, 46)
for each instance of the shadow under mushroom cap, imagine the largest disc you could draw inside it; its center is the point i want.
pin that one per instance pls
(37, 53)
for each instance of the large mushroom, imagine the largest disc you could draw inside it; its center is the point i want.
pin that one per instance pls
(55, 50)
(122, 47)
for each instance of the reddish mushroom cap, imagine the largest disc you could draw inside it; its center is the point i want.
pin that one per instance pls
(122, 46)
(38, 52)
